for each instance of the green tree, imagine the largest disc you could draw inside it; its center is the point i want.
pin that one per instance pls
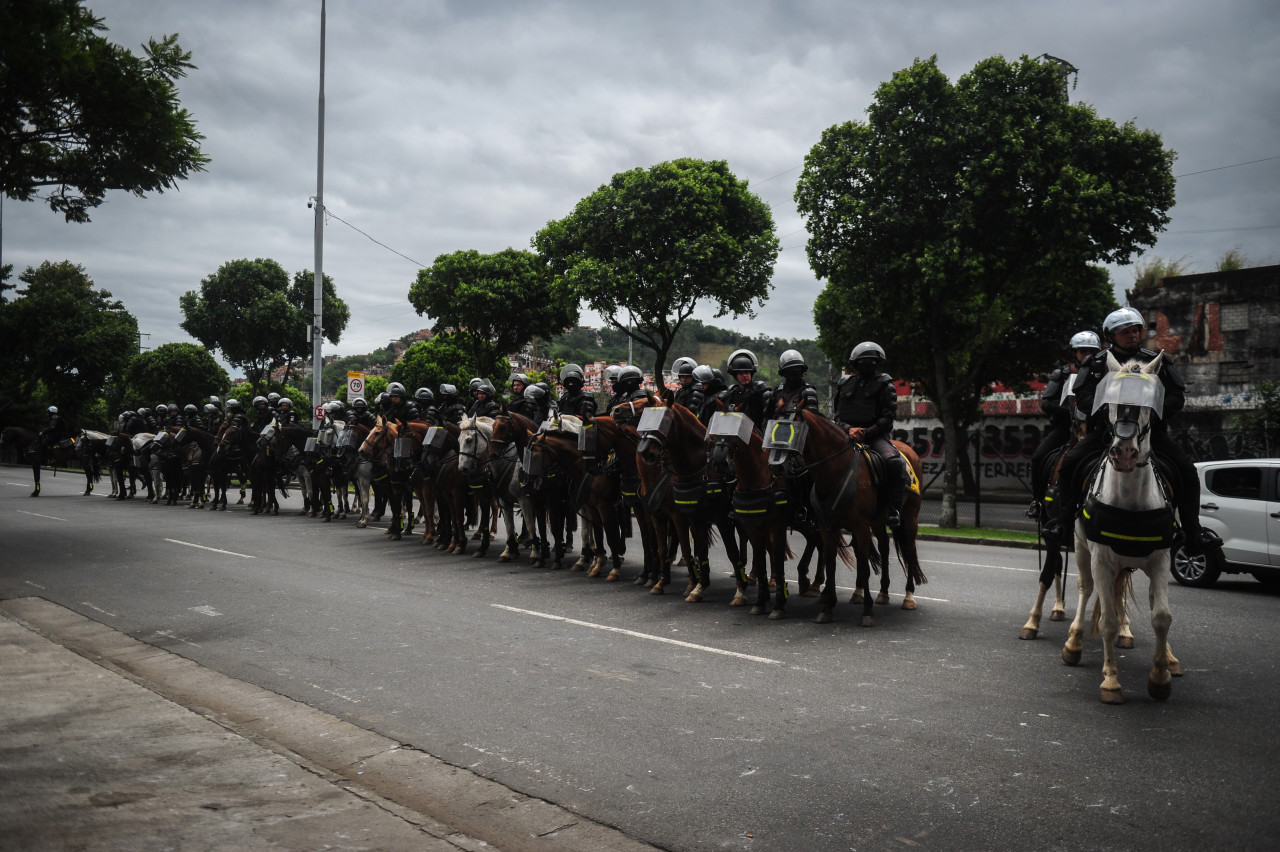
(243, 310)
(446, 358)
(494, 303)
(172, 372)
(80, 115)
(301, 399)
(956, 211)
(64, 338)
(334, 315)
(645, 249)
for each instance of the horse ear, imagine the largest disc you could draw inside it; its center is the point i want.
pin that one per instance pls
(1154, 365)
(1113, 365)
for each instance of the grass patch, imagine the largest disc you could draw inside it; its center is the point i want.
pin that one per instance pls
(981, 532)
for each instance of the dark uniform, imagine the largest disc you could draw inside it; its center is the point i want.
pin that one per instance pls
(869, 401)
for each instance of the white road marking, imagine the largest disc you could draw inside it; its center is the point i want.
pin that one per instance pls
(38, 515)
(981, 565)
(37, 585)
(169, 634)
(637, 635)
(98, 609)
(214, 549)
(204, 610)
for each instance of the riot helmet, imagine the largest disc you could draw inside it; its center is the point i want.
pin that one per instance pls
(259, 400)
(162, 410)
(742, 361)
(285, 402)
(791, 360)
(535, 393)
(448, 392)
(233, 405)
(629, 379)
(1085, 340)
(190, 410)
(424, 395)
(704, 375)
(273, 399)
(611, 374)
(53, 409)
(396, 389)
(359, 404)
(571, 376)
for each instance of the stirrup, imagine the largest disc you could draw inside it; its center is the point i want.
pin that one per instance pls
(894, 519)
(1052, 530)
(1033, 510)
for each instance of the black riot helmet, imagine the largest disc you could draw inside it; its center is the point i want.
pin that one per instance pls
(424, 395)
(629, 378)
(571, 376)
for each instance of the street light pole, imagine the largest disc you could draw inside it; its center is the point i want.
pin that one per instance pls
(317, 289)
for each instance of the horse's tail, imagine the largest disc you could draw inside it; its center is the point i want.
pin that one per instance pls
(845, 551)
(908, 557)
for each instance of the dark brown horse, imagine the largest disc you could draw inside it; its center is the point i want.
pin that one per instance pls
(29, 447)
(846, 497)
(618, 441)
(550, 468)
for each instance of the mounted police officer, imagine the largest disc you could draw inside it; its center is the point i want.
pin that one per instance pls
(746, 393)
(425, 401)
(518, 382)
(684, 394)
(866, 404)
(484, 404)
(216, 417)
(575, 400)
(1052, 403)
(191, 416)
(235, 414)
(535, 404)
(794, 392)
(398, 406)
(609, 379)
(1125, 330)
(57, 431)
(262, 413)
(273, 402)
(285, 415)
(361, 415)
(627, 388)
(708, 390)
(451, 408)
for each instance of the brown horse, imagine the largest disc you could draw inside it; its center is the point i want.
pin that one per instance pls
(400, 449)
(551, 466)
(618, 441)
(668, 463)
(846, 497)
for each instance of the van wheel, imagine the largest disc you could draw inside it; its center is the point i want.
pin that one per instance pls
(1197, 571)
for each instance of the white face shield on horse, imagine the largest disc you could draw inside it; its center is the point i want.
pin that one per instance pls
(1133, 396)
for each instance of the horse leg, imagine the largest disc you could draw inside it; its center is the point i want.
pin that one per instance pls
(35, 473)
(1124, 638)
(862, 547)
(1110, 595)
(488, 519)
(1164, 666)
(777, 542)
(1074, 646)
(1050, 576)
(827, 561)
(758, 537)
(882, 559)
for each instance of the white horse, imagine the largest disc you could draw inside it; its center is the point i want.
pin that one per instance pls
(1126, 525)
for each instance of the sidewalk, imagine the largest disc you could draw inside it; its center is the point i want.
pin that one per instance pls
(109, 743)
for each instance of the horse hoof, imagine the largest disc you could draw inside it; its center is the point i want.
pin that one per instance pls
(1175, 668)
(1159, 691)
(1125, 642)
(1070, 657)
(595, 571)
(1111, 696)
(777, 615)
(504, 558)
(477, 554)
(812, 592)
(856, 597)
(614, 576)
(882, 599)
(1058, 615)
(1028, 633)
(909, 603)
(823, 617)
(657, 589)
(640, 581)
(758, 609)
(694, 596)
(739, 599)
(868, 621)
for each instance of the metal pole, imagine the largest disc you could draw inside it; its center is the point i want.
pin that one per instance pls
(317, 290)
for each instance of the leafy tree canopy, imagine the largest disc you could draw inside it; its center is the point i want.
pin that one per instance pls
(249, 310)
(80, 115)
(301, 399)
(494, 303)
(172, 373)
(960, 215)
(447, 358)
(63, 336)
(644, 249)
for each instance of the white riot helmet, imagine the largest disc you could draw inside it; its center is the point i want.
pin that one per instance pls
(1085, 340)
(1122, 318)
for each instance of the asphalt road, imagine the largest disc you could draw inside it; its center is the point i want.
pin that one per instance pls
(698, 726)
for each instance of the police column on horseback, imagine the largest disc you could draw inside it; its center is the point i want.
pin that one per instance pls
(865, 405)
(1058, 403)
(1125, 330)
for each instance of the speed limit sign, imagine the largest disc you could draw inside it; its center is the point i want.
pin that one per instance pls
(355, 385)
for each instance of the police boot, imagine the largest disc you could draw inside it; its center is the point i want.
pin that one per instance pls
(897, 490)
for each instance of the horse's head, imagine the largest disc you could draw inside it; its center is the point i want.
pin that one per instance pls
(1133, 394)
(474, 439)
(379, 438)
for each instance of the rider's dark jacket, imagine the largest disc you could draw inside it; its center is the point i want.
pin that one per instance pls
(750, 399)
(790, 396)
(869, 404)
(578, 403)
(484, 408)
(1095, 367)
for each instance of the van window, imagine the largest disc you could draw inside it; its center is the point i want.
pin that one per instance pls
(1243, 482)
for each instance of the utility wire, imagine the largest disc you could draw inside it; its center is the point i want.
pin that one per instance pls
(1232, 166)
(330, 213)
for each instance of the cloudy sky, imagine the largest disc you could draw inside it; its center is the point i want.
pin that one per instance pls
(469, 125)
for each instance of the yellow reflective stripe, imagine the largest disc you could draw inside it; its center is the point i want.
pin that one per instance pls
(1106, 534)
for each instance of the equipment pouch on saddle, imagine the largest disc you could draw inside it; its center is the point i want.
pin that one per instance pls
(1127, 532)
(655, 420)
(688, 495)
(730, 424)
(67, 444)
(630, 488)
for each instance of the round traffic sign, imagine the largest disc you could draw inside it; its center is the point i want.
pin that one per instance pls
(319, 412)
(355, 386)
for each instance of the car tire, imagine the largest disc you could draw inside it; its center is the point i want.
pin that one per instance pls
(1200, 572)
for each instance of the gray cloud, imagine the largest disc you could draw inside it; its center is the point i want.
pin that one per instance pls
(470, 125)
